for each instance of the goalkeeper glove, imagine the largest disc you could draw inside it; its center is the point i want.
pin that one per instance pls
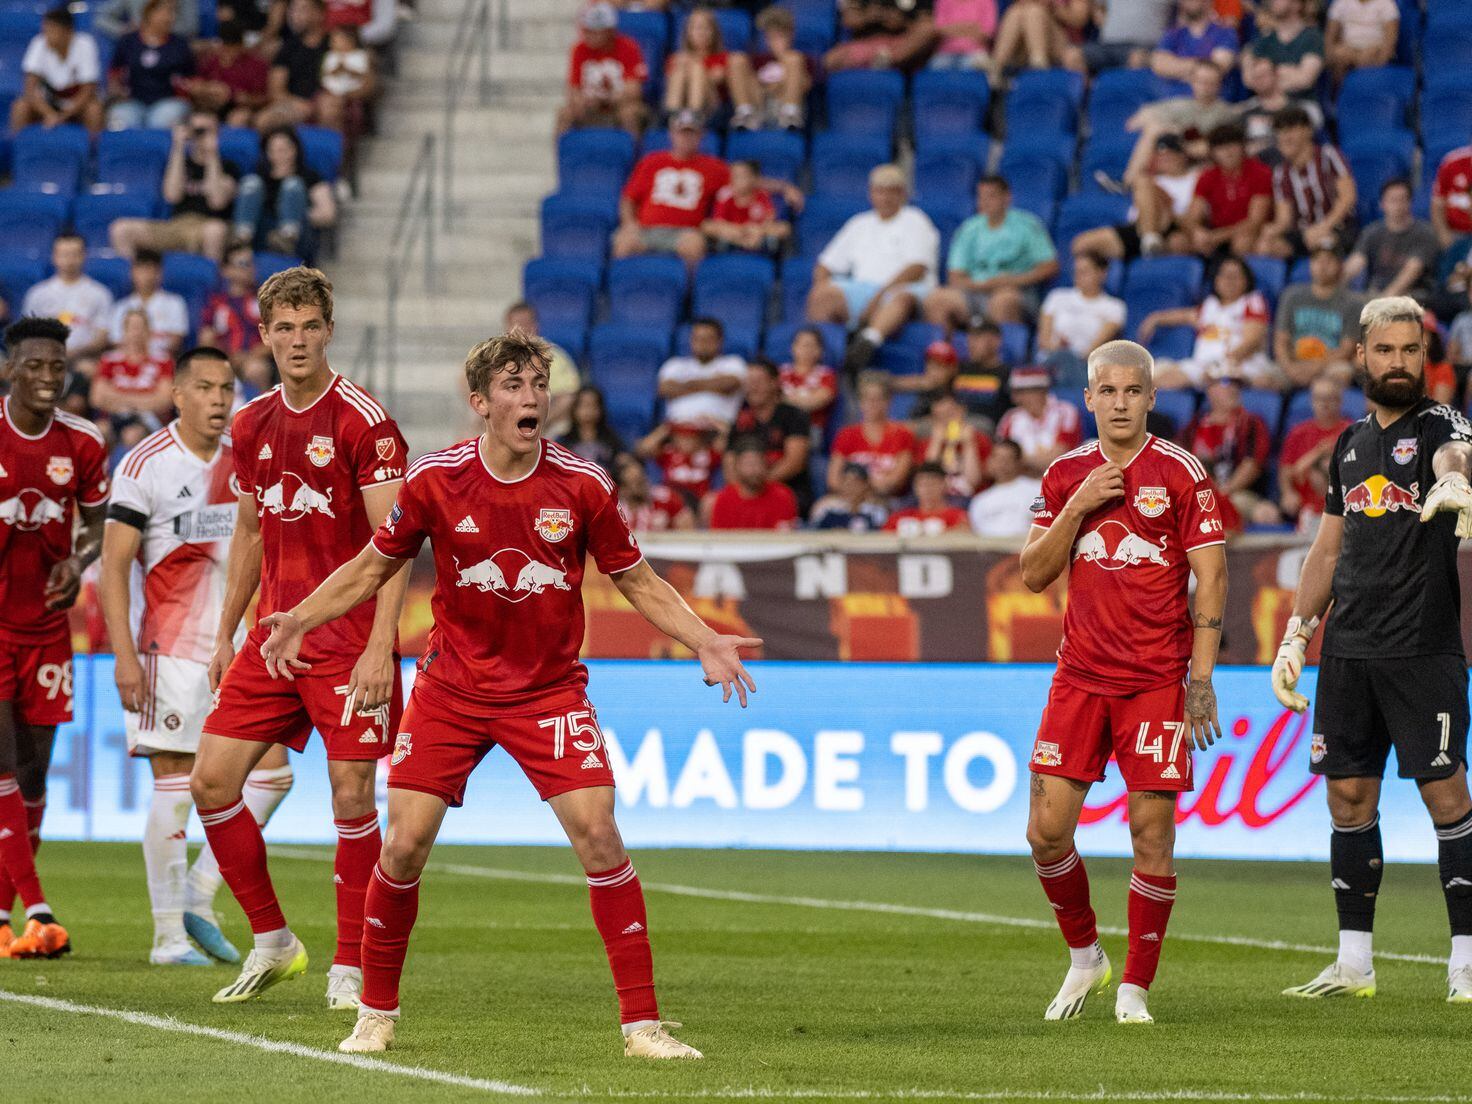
(1288, 666)
(1451, 493)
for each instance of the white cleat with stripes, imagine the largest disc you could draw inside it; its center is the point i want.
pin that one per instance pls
(344, 988)
(1459, 986)
(1336, 980)
(1130, 1006)
(264, 969)
(1079, 984)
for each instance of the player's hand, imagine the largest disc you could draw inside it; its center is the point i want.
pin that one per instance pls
(1206, 728)
(127, 672)
(720, 659)
(281, 647)
(64, 584)
(220, 662)
(1288, 665)
(1104, 483)
(371, 685)
(1451, 494)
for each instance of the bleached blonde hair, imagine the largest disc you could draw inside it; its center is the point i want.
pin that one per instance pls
(1389, 309)
(1122, 354)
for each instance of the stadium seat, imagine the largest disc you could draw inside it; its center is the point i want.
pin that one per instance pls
(814, 33)
(321, 150)
(904, 354)
(1146, 297)
(595, 161)
(948, 101)
(657, 139)
(649, 289)
(576, 227)
(733, 287)
(1028, 151)
(49, 161)
(1116, 95)
(735, 27)
(624, 361)
(1446, 52)
(1178, 406)
(1183, 274)
(743, 343)
(133, 160)
(572, 340)
(822, 217)
(946, 179)
(1266, 404)
(17, 273)
(780, 153)
(841, 164)
(30, 220)
(562, 290)
(973, 148)
(93, 213)
(865, 102)
(1271, 275)
(651, 30)
(1408, 41)
(1377, 98)
(111, 272)
(1108, 153)
(1086, 211)
(241, 147)
(1043, 101)
(1037, 184)
(778, 346)
(797, 279)
(1446, 119)
(1016, 343)
(268, 264)
(192, 276)
(1168, 342)
(1377, 157)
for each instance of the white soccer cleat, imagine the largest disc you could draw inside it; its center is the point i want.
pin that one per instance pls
(1336, 980)
(344, 988)
(1130, 1006)
(655, 1041)
(1459, 986)
(264, 969)
(372, 1034)
(1078, 984)
(178, 953)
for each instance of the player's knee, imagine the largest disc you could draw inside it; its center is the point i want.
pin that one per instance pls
(404, 854)
(1049, 843)
(352, 798)
(210, 788)
(598, 843)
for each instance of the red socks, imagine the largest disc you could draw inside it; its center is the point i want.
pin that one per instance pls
(17, 858)
(1151, 897)
(389, 910)
(617, 899)
(1066, 883)
(35, 810)
(240, 849)
(358, 845)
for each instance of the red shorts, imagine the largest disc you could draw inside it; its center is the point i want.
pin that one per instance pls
(251, 705)
(37, 680)
(439, 745)
(1146, 732)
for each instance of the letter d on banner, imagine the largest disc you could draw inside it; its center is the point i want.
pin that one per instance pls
(792, 773)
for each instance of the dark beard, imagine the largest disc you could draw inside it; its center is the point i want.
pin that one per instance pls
(1395, 393)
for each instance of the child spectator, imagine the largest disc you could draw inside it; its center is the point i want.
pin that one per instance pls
(646, 508)
(850, 505)
(687, 455)
(775, 83)
(808, 383)
(696, 73)
(955, 446)
(743, 216)
(349, 83)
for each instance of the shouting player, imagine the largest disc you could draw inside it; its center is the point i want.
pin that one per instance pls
(317, 465)
(1393, 672)
(512, 519)
(173, 508)
(1130, 517)
(53, 466)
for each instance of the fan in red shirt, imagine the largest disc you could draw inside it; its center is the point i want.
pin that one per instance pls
(885, 448)
(231, 81)
(53, 467)
(646, 508)
(931, 514)
(1233, 443)
(1451, 196)
(1303, 463)
(685, 453)
(605, 76)
(1234, 196)
(512, 520)
(1130, 518)
(669, 195)
(808, 383)
(317, 464)
(743, 215)
(753, 500)
(131, 380)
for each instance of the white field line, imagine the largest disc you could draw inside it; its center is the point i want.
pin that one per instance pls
(272, 1046)
(886, 908)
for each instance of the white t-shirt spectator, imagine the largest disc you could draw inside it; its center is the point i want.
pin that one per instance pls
(702, 404)
(63, 74)
(84, 305)
(1220, 326)
(1364, 20)
(1005, 509)
(1060, 426)
(167, 317)
(1079, 320)
(872, 250)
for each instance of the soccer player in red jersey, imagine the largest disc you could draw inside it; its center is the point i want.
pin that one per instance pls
(317, 463)
(1130, 517)
(53, 467)
(512, 518)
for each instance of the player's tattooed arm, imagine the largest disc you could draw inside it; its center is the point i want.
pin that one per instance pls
(1209, 565)
(1204, 622)
(65, 581)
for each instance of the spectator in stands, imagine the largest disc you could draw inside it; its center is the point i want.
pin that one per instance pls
(877, 269)
(1191, 117)
(1441, 377)
(133, 381)
(884, 447)
(1362, 34)
(1196, 36)
(1128, 32)
(955, 445)
(605, 76)
(1257, 114)
(687, 455)
(979, 381)
(668, 196)
(1162, 181)
(149, 69)
(1314, 191)
(232, 319)
(564, 382)
(1234, 444)
(696, 74)
(752, 499)
(374, 20)
(808, 383)
(230, 81)
(1451, 204)
(781, 428)
(1459, 336)
(1040, 34)
(62, 71)
(648, 508)
(1303, 464)
(1398, 254)
(349, 83)
(932, 514)
(296, 70)
(199, 186)
(775, 83)
(1005, 508)
(284, 203)
(1074, 321)
(998, 262)
(849, 504)
(1043, 425)
(75, 298)
(588, 433)
(940, 365)
(1292, 50)
(883, 34)
(1231, 330)
(1318, 324)
(1234, 198)
(967, 28)
(703, 388)
(168, 317)
(743, 216)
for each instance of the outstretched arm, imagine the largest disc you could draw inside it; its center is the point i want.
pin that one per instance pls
(373, 674)
(1452, 493)
(1315, 590)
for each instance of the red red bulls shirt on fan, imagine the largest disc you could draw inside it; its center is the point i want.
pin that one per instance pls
(1127, 627)
(307, 470)
(508, 561)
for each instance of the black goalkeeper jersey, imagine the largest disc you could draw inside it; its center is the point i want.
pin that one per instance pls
(1396, 590)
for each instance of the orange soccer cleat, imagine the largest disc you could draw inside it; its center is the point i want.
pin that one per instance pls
(7, 937)
(41, 941)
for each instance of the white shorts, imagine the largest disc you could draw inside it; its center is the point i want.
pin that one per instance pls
(1259, 371)
(178, 700)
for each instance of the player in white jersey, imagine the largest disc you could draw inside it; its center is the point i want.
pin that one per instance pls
(169, 523)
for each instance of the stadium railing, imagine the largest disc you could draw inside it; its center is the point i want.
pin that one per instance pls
(413, 231)
(472, 46)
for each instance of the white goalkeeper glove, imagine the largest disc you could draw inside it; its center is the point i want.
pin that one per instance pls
(1288, 666)
(1451, 493)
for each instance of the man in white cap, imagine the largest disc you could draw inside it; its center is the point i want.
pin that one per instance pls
(605, 76)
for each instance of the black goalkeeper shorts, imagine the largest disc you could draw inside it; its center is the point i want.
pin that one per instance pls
(1364, 707)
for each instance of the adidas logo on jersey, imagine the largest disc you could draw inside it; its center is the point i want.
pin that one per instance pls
(1171, 772)
(337, 879)
(1441, 761)
(369, 737)
(592, 762)
(467, 525)
(1348, 456)
(633, 929)
(375, 921)
(1150, 937)
(6, 833)
(184, 492)
(265, 453)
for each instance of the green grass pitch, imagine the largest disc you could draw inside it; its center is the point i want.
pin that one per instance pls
(789, 996)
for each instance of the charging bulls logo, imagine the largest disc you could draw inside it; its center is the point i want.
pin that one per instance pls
(1152, 501)
(290, 499)
(1377, 496)
(553, 525)
(30, 509)
(1112, 546)
(511, 574)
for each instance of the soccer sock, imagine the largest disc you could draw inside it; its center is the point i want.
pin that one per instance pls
(16, 856)
(35, 811)
(358, 845)
(1356, 865)
(1066, 884)
(240, 849)
(263, 791)
(1151, 898)
(1454, 852)
(390, 908)
(166, 854)
(617, 900)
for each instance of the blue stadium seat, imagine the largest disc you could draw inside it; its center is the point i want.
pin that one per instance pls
(1086, 211)
(649, 289)
(241, 147)
(975, 148)
(737, 342)
(1117, 94)
(780, 153)
(321, 150)
(49, 160)
(1168, 342)
(192, 276)
(1408, 42)
(133, 160)
(1043, 101)
(1145, 298)
(841, 164)
(651, 30)
(797, 279)
(572, 340)
(19, 26)
(562, 290)
(948, 101)
(1055, 148)
(1183, 274)
(624, 361)
(945, 178)
(111, 272)
(822, 217)
(1376, 98)
(865, 102)
(657, 139)
(1446, 51)
(1374, 158)
(1271, 275)
(1108, 153)
(17, 273)
(594, 161)
(1446, 20)
(93, 214)
(576, 227)
(1266, 404)
(778, 346)
(1178, 406)
(1446, 119)
(268, 264)
(733, 287)
(814, 33)
(30, 220)
(904, 354)
(1016, 343)
(735, 27)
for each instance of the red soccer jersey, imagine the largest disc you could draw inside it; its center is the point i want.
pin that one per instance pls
(1228, 197)
(774, 508)
(657, 515)
(134, 377)
(602, 74)
(915, 522)
(668, 191)
(688, 471)
(1127, 627)
(1224, 445)
(508, 559)
(879, 460)
(42, 480)
(819, 375)
(755, 208)
(307, 470)
(1454, 187)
